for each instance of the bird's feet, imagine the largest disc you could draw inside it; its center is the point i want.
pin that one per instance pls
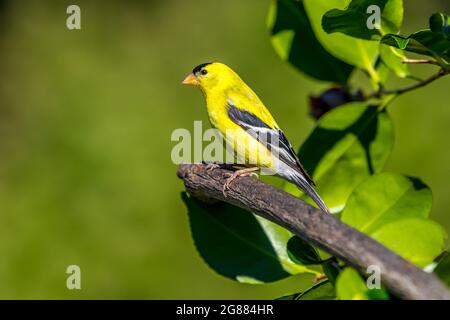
(239, 173)
(211, 166)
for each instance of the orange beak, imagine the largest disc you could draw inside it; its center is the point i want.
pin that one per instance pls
(190, 80)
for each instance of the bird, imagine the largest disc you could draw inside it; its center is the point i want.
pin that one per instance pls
(249, 128)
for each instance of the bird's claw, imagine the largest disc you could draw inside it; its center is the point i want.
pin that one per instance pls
(233, 176)
(226, 185)
(198, 165)
(211, 166)
(254, 174)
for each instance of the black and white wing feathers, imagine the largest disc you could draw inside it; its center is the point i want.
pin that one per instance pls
(272, 138)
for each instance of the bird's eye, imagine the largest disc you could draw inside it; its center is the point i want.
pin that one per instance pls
(203, 72)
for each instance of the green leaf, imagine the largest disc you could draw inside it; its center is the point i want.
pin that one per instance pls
(321, 291)
(350, 286)
(385, 198)
(383, 72)
(423, 42)
(377, 294)
(290, 297)
(301, 252)
(353, 20)
(331, 269)
(293, 39)
(442, 270)
(348, 144)
(239, 245)
(415, 239)
(440, 23)
(393, 58)
(434, 42)
(357, 52)
(393, 209)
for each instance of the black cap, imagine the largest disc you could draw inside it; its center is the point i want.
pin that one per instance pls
(199, 67)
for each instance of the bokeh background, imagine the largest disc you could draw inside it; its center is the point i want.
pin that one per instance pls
(85, 122)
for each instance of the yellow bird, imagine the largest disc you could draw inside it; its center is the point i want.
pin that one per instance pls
(248, 127)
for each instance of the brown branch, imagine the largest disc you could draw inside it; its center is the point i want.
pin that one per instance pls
(420, 61)
(423, 83)
(324, 230)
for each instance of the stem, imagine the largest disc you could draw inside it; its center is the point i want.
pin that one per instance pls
(423, 83)
(420, 61)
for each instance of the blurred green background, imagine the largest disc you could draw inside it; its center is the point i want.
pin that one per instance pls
(85, 122)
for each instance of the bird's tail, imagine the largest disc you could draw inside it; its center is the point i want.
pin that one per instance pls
(305, 186)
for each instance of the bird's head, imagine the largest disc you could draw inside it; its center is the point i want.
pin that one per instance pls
(210, 76)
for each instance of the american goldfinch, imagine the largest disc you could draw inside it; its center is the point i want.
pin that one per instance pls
(240, 116)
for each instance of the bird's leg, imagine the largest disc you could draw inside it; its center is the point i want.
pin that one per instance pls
(239, 173)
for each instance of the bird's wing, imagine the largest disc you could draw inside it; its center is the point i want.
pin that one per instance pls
(272, 138)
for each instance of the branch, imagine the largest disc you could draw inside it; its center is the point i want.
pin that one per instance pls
(324, 230)
(423, 83)
(420, 61)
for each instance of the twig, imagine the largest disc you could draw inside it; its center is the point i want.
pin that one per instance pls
(324, 230)
(420, 61)
(423, 83)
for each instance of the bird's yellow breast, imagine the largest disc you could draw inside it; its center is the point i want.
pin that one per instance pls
(221, 87)
(247, 150)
